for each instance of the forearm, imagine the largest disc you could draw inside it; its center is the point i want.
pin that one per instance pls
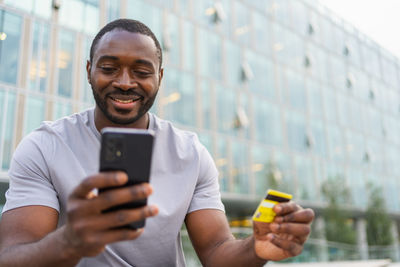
(49, 251)
(235, 253)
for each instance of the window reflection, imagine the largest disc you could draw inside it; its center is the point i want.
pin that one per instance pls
(267, 122)
(39, 64)
(10, 31)
(34, 112)
(152, 17)
(40, 8)
(7, 126)
(240, 167)
(305, 175)
(65, 62)
(80, 15)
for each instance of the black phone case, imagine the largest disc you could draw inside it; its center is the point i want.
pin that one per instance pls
(128, 150)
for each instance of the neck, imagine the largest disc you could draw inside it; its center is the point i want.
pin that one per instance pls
(102, 121)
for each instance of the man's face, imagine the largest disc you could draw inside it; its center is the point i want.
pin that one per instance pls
(125, 76)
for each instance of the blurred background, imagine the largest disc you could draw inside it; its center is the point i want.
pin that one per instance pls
(285, 94)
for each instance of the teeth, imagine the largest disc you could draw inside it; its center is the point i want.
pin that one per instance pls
(123, 101)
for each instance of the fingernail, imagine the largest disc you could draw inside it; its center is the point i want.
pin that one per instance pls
(278, 209)
(270, 237)
(122, 177)
(275, 226)
(153, 210)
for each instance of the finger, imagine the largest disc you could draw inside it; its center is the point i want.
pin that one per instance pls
(124, 195)
(123, 217)
(286, 208)
(100, 180)
(300, 216)
(295, 229)
(292, 248)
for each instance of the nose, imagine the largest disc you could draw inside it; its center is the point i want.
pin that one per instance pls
(124, 81)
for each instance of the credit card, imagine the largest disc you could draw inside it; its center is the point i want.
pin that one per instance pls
(264, 212)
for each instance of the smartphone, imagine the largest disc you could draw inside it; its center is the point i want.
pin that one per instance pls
(129, 150)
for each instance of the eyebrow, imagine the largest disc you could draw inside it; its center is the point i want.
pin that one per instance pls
(139, 61)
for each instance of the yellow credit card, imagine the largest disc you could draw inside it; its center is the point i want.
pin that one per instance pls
(264, 212)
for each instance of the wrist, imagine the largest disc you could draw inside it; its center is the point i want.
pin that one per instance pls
(66, 250)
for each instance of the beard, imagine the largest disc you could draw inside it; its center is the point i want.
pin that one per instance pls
(102, 104)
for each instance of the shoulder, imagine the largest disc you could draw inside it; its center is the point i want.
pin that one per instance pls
(49, 133)
(166, 130)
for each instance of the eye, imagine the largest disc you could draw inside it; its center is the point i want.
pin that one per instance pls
(107, 69)
(143, 73)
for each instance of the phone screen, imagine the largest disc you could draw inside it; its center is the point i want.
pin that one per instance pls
(128, 150)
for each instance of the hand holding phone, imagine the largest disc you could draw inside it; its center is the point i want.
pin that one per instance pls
(128, 150)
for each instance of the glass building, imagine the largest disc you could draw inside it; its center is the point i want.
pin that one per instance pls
(283, 93)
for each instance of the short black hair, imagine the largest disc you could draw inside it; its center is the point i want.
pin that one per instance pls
(129, 25)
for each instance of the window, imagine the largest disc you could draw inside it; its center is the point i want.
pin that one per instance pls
(66, 54)
(210, 54)
(61, 109)
(314, 99)
(34, 112)
(7, 125)
(152, 16)
(40, 8)
(242, 26)
(10, 36)
(80, 15)
(265, 171)
(296, 91)
(296, 131)
(113, 10)
(262, 33)
(263, 69)
(225, 109)
(233, 63)
(207, 102)
(170, 41)
(39, 64)
(305, 177)
(222, 162)
(188, 46)
(240, 167)
(178, 100)
(266, 122)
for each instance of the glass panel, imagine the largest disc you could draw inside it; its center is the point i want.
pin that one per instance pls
(296, 91)
(91, 19)
(38, 71)
(357, 186)
(152, 17)
(225, 109)
(10, 35)
(240, 167)
(171, 39)
(204, 11)
(41, 8)
(262, 33)
(210, 54)
(318, 139)
(263, 70)
(179, 97)
(233, 61)
(188, 47)
(336, 144)
(263, 169)
(296, 131)
(71, 14)
(206, 104)
(305, 174)
(242, 26)
(61, 109)
(65, 62)
(267, 122)
(222, 163)
(330, 106)
(34, 113)
(314, 99)
(113, 10)
(9, 130)
(284, 174)
(86, 90)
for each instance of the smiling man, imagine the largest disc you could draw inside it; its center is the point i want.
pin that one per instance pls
(52, 218)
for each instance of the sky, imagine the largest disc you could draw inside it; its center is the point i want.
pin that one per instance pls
(378, 19)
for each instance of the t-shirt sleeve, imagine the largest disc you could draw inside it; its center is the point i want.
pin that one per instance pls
(30, 182)
(206, 194)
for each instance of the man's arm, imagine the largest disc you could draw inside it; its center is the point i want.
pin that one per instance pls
(28, 236)
(215, 245)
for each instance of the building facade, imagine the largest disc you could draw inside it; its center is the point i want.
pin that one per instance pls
(283, 93)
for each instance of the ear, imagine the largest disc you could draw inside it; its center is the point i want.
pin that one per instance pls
(160, 76)
(88, 69)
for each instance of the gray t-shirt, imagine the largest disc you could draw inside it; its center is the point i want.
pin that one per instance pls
(51, 161)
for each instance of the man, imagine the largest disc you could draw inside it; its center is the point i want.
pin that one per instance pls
(52, 217)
